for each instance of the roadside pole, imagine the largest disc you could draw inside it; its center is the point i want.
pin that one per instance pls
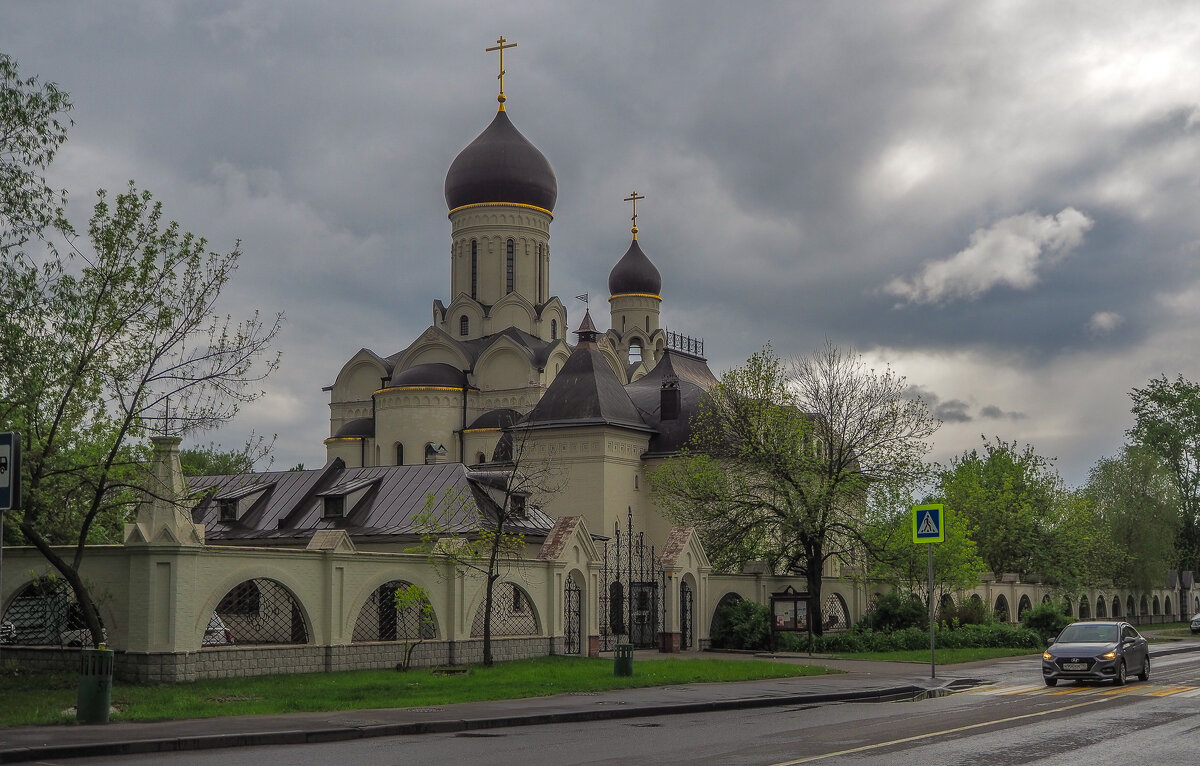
(928, 528)
(10, 489)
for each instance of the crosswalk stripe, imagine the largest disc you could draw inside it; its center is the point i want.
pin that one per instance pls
(1171, 690)
(1076, 690)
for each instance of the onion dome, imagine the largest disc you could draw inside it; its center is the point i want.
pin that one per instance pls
(634, 273)
(435, 374)
(501, 165)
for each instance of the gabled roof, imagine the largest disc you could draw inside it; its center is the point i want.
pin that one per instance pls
(293, 510)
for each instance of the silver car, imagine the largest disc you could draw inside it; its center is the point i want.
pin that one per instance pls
(1196, 623)
(1096, 651)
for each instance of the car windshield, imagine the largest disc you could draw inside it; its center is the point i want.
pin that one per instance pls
(1089, 634)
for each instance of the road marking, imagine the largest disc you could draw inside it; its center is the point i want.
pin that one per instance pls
(1075, 690)
(1122, 690)
(1021, 690)
(1171, 690)
(932, 734)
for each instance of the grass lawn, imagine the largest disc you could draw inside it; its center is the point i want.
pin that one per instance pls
(46, 699)
(944, 656)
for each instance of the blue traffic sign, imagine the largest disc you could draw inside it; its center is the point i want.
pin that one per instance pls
(927, 524)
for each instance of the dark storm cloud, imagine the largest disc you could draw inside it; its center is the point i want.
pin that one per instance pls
(796, 159)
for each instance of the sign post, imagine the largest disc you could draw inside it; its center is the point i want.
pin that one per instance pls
(929, 527)
(10, 484)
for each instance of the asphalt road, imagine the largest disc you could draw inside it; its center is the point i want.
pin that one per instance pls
(1017, 720)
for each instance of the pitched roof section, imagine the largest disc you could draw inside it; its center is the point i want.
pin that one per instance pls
(694, 380)
(586, 391)
(293, 509)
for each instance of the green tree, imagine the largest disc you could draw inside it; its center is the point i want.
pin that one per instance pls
(898, 560)
(211, 460)
(1137, 499)
(33, 126)
(783, 457)
(1167, 422)
(115, 341)
(1006, 496)
(415, 612)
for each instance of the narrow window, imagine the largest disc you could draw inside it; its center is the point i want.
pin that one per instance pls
(541, 271)
(635, 352)
(474, 269)
(635, 481)
(481, 458)
(399, 454)
(464, 325)
(647, 323)
(508, 268)
(553, 329)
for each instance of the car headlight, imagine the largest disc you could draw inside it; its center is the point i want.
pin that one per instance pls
(1109, 656)
(1047, 656)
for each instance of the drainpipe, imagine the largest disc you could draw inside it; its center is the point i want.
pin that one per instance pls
(462, 433)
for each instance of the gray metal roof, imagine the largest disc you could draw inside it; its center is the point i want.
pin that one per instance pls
(291, 510)
(694, 379)
(586, 391)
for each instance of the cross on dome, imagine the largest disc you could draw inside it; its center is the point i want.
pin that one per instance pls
(634, 197)
(501, 44)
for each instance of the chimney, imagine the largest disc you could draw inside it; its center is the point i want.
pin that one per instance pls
(669, 406)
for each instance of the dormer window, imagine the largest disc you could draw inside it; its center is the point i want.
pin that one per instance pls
(335, 507)
(229, 510)
(517, 504)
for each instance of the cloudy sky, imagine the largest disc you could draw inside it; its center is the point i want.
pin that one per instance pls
(1001, 200)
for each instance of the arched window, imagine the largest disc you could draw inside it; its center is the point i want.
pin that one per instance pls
(474, 269)
(541, 285)
(399, 454)
(481, 458)
(508, 268)
(635, 352)
(647, 323)
(553, 329)
(464, 325)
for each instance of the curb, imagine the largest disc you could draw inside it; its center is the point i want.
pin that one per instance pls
(451, 725)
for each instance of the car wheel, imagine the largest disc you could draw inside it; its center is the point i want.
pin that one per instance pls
(1145, 674)
(1051, 682)
(1119, 680)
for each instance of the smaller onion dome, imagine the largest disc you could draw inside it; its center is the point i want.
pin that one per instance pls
(634, 273)
(433, 374)
(501, 165)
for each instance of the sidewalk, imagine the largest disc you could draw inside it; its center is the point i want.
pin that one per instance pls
(862, 681)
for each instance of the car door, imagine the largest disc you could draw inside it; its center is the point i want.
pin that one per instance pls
(1136, 650)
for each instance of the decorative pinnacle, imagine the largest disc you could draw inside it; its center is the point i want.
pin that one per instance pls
(634, 199)
(501, 44)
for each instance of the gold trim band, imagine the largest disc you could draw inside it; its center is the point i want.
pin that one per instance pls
(501, 204)
(478, 430)
(420, 388)
(634, 295)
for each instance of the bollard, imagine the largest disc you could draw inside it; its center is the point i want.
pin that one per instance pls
(95, 685)
(623, 660)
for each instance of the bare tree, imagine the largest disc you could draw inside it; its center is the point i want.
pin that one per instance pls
(783, 455)
(484, 532)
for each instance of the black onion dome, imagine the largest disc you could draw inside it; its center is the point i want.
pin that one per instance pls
(357, 428)
(500, 165)
(432, 374)
(634, 273)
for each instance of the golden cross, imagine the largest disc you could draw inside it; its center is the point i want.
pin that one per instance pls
(634, 199)
(501, 44)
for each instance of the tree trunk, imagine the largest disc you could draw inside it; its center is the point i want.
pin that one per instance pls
(87, 607)
(812, 575)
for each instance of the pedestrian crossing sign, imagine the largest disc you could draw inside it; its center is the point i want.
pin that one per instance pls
(928, 524)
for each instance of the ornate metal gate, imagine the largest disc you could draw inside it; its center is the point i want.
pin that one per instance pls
(572, 616)
(687, 616)
(631, 591)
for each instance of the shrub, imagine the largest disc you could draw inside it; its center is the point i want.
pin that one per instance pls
(894, 611)
(1048, 619)
(973, 612)
(743, 625)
